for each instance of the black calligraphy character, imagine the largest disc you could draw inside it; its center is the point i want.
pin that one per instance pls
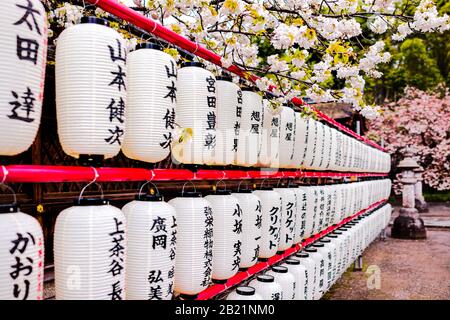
(167, 140)
(272, 244)
(172, 72)
(236, 263)
(237, 210)
(256, 251)
(238, 111)
(254, 128)
(289, 126)
(170, 118)
(211, 84)
(208, 233)
(172, 254)
(27, 106)
(211, 120)
(172, 94)
(21, 242)
(258, 206)
(115, 57)
(235, 145)
(237, 226)
(119, 79)
(116, 112)
(237, 127)
(17, 291)
(275, 122)
(160, 240)
(237, 248)
(118, 249)
(210, 141)
(255, 116)
(29, 11)
(115, 135)
(173, 240)
(273, 214)
(27, 49)
(155, 276)
(116, 293)
(239, 99)
(159, 224)
(272, 230)
(211, 102)
(116, 268)
(171, 273)
(169, 289)
(19, 267)
(288, 137)
(258, 223)
(274, 133)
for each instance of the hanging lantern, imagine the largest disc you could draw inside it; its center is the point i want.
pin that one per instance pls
(300, 140)
(21, 255)
(301, 213)
(287, 136)
(329, 244)
(270, 222)
(319, 271)
(288, 217)
(270, 137)
(194, 259)
(251, 227)
(151, 103)
(89, 251)
(250, 130)
(319, 208)
(229, 109)
(90, 89)
(227, 248)
(151, 245)
(311, 146)
(310, 272)
(320, 147)
(286, 280)
(310, 210)
(23, 57)
(267, 288)
(327, 148)
(196, 109)
(244, 293)
(299, 272)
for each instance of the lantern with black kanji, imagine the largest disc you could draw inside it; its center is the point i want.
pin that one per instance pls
(250, 130)
(287, 136)
(266, 287)
(301, 213)
(151, 248)
(270, 136)
(151, 103)
(311, 207)
(227, 248)
(196, 110)
(288, 217)
(310, 273)
(300, 141)
(23, 56)
(320, 147)
(21, 255)
(299, 272)
(251, 226)
(270, 221)
(90, 252)
(229, 109)
(195, 228)
(91, 88)
(285, 279)
(311, 145)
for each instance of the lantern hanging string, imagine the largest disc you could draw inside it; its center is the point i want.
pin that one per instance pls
(149, 182)
(221, 180)
(184, 185)
(94, 181)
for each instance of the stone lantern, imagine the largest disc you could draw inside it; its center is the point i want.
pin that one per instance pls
(408, 225)
(421, 204)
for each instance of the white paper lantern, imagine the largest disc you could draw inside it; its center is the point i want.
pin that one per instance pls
(151, 248)
(251, 227)
(310, 272)
(319, 272)
(270, 223)
(194, 259)
(288, 217)
(328, 244)
(270, 138)
(250, 131)
(299, 272)
(229, 109)
(311, 147)
(244, 293)
(287, 136)
(90, 89)
(301, 214)
(227, 248)
(267, 288)
(21, 255)
(300, 140)
(90, 252)
(286, 281)
(151, 103)
(23, 57)
(196, 109)
(320, 147)
(311, 204)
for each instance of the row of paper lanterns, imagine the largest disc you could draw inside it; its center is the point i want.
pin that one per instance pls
(152, 248)
(108, 100)
(310, 273)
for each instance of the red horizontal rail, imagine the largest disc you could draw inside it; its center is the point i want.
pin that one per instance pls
(47, 174)
(153, 27)
(216, 289)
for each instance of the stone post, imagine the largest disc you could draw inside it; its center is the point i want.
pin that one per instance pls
(421, 204)
(408, 225)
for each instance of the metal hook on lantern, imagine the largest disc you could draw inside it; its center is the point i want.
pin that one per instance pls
(239, 185)
(184, 185)
(94, 181)
(149, 182)
(221, 180)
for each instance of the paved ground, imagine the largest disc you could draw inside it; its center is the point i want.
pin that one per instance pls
(409, 269)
